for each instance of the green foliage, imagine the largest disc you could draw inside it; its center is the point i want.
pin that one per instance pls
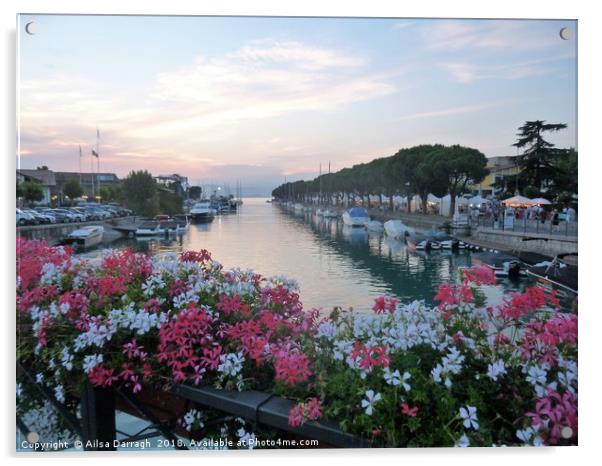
(140, 193)
(170, 203)
(195, 192)
(73, 189)
(32, 191)
(536, 161)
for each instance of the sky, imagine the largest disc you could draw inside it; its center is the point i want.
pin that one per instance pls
(261, 100)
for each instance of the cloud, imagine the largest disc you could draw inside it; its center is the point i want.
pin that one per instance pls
(456, 35)
(454, 110)
(194, 114)
(467, 72)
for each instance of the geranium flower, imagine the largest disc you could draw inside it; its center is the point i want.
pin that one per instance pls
(411, 412)
(463, 442)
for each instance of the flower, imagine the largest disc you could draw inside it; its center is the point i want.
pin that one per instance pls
(369, 401)
(411, 412)
(469, 415)
(463, 442)
(496, 369)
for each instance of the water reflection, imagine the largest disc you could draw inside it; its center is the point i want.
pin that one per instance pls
(334, 264)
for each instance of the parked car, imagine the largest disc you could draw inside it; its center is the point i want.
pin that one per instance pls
(24, 218)
(79, 216)
(40, 217)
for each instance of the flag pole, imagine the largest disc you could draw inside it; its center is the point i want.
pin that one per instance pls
(98, 159)
(80, 164)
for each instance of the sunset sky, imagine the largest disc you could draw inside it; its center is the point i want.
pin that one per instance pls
(220, 99)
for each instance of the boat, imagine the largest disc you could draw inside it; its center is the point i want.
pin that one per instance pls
(356, 217)
(417, 243)
(202, 212)
(396, 229)
(320, 212)
(148, 228)
(503, 265)
(298, 207)
(444, 240)
(87, 236)
(374, 226)
(330, 213)
(556, 275)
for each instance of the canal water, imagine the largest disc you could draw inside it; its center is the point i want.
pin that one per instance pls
(335, 265)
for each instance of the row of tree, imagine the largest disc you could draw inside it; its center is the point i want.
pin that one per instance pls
(442, 170)
(421, 170)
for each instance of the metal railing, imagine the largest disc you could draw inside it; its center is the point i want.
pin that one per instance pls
(524, 225)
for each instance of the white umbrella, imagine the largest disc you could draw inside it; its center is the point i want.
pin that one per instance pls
(518, 201)
(540, 201)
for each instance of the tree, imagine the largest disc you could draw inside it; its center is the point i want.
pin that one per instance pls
(461, 166)
(195, 192)
(73, 189)
(140, 193)
(19, 189)
(170, 203)
(32, 191)
(537, 157)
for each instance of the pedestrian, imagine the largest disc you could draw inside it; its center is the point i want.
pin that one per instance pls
(555, 217)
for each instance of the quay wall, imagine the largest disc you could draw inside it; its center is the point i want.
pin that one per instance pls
(510, 240)
(53, 233)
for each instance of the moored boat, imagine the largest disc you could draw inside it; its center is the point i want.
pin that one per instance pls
(417, 243)
(503, 265)
(202, 212)
(396, 229)
(181, 223)
(356, 217)
(87, 236)
(148, 228)
(556, 275)
(374, 226)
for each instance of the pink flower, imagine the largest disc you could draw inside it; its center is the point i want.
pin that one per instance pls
(384, 304)
(479, 275)
(292, 366)
(410, 412)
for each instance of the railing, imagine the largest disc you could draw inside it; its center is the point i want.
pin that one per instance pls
(97, 429)
(524, 225)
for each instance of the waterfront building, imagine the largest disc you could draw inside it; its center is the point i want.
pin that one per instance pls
(502, 170)
(90, 182)
(46, 178)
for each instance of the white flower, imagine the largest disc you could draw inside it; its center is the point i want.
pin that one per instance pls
(537, 376)
(392, 378)
(469, 415)
(463, 442)
(19, 390)
(59, 393)
(231, 364)
(39, 377)
(91, 361)
(496, 369)
(371, 399)
(246, 438)
(66, 359)
(404, 379)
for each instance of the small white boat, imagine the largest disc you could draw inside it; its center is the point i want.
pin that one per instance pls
(374, 226)
(150, 228)
(329, 213)
(397, 229)
(87, 236)
(356, 217)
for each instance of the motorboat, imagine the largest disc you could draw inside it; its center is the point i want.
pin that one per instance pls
(330, 213)
(444, 240)
(503, 265)
(356, 217)
(148, 228)
(556, 275)
(202, 212)
(87, 236)
(374, 226)
(417, 243)
(396, 229)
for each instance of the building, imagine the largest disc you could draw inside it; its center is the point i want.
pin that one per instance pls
(501, 170)
(90, 182)
(46, 178)
(177, 183)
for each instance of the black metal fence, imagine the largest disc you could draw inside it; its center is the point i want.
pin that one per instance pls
(524, 225)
